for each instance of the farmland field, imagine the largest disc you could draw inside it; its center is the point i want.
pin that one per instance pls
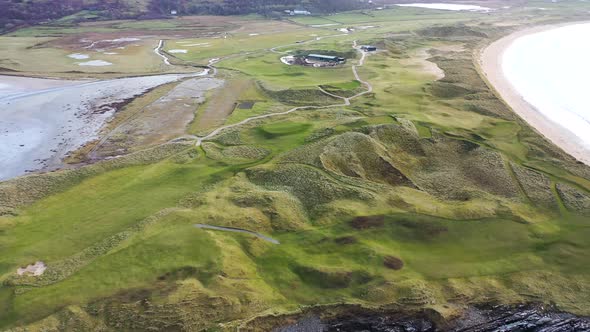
(410, 185)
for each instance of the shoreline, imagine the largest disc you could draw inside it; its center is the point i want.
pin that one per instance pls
(457, 317)
(43, 121)
(490, 63)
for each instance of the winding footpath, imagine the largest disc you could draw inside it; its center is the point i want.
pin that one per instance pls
(238, 230)
(356, 74)
(158, 51)
(346, 100)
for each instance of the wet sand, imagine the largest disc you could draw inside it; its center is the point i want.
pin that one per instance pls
(491, 65)
(12, 85)
(41, 124)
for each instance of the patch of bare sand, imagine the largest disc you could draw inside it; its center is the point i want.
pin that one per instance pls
(458, 47)
(419, 61)
(34, 270)
(490, 62)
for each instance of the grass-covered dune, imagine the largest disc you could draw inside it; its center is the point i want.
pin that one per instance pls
(428, 193)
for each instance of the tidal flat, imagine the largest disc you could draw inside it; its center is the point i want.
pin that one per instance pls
(41, 121)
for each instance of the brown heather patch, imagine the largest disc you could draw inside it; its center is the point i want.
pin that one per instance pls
(346, 240)
(364, 222)
(392, 262)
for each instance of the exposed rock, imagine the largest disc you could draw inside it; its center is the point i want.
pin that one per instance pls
(522, 318)
(529, 318)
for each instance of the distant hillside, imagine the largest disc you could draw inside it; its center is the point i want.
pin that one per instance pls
(21, 12)
(16, 13)
(235, 7)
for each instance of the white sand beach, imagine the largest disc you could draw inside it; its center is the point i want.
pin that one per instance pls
(542, 74)
(95, 63)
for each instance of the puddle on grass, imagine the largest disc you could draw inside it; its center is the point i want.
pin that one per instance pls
(95, 63)
(79, 56)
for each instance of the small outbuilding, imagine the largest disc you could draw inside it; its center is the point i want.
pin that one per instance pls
(369, 48)
(299, 12)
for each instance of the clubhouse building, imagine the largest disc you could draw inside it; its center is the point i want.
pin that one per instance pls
(324, 59)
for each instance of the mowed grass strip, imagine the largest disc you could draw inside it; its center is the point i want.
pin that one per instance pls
(66, 223)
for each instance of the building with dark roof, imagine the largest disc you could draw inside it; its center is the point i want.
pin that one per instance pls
(324, 58)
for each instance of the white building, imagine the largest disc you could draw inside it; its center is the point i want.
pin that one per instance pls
(300, 12)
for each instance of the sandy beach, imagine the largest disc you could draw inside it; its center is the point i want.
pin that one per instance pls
(491, 64)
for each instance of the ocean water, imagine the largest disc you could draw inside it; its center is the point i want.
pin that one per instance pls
(551, 71)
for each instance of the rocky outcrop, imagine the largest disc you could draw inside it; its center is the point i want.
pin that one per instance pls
(524, 318)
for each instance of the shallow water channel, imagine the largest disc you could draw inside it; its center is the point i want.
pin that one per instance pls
(42, 120)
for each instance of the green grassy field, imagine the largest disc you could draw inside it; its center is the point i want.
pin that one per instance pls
(424, 193)
(258, 37)
(24, 54)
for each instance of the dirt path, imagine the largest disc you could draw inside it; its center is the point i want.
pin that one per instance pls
(356, 74)
(299, 108)
(238, 230)
(346, 100)
(158, 51)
